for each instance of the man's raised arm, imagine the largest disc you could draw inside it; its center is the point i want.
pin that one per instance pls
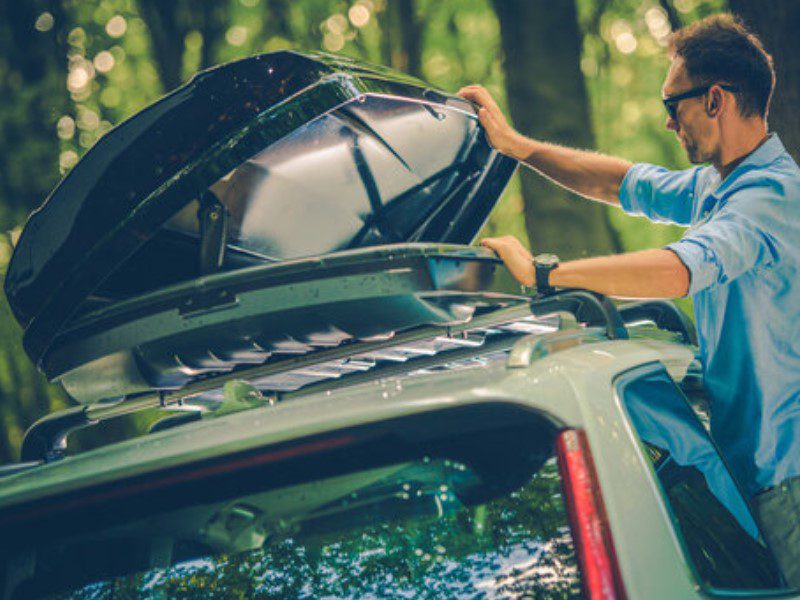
(589, 174)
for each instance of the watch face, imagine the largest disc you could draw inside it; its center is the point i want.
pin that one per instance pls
(546, 260)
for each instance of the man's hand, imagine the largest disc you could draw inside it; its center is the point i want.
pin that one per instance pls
(589, 174)
(501, 135)
(517, 258)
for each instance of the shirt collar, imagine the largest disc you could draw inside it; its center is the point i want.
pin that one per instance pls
(765, 154)
(762, 156)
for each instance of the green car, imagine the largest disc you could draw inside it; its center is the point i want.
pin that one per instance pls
(354, 403)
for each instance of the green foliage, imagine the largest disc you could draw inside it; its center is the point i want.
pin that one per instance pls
(24, 394)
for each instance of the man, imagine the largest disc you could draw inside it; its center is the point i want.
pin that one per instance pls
(740, 259)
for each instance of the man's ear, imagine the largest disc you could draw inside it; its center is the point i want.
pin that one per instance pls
(714, 101)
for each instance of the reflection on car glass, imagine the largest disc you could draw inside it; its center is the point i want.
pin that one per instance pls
(663, 419)
(713, 519)
(657, 455)
(401, 530)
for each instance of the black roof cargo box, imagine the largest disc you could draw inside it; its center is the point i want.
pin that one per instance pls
(283, 165)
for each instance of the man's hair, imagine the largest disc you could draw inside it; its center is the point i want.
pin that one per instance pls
(721, 49)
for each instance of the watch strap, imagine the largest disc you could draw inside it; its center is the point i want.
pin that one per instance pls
(543, 265)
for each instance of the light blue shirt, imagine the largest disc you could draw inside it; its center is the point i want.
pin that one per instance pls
(742, 250)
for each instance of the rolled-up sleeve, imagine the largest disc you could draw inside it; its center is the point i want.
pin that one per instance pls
(736, 240)
(659, 194)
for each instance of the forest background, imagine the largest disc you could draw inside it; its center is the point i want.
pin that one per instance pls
(586, 73)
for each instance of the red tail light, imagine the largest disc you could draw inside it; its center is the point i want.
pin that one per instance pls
(587, 517)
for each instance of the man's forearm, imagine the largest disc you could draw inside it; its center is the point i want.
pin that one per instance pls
(590, 174)
(646, 274)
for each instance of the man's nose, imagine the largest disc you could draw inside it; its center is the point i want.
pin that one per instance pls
(672, 124)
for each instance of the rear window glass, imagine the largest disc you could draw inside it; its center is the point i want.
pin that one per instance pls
(463, 518)
(719, 534)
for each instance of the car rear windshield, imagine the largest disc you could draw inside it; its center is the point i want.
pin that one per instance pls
(421, 509)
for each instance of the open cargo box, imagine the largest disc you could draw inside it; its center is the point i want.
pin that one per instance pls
(275, 205)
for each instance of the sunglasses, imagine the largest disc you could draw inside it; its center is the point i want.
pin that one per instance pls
(671, 102)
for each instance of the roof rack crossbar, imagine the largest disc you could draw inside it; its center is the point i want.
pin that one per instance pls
(590, 308)
(663, 314)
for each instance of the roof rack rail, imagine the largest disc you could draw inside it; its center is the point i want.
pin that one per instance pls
(46, 439)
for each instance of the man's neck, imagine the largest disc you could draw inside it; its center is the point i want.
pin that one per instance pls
(738, 146)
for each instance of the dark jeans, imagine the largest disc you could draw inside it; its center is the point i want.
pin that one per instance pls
(778, 511)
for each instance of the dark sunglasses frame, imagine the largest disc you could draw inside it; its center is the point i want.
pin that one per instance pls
(671, 102)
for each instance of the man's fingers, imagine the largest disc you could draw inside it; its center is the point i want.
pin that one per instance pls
(507, 246)
(490, 243)
(480, 95)
(495, 244)
(514, 255)
(493, 128)
(471, 95)
(468, 90)
(468, 93)
(503, 240)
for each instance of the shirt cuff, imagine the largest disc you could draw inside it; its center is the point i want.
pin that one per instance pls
(701, 262)
(627, 191)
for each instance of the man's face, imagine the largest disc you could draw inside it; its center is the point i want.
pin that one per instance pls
(695, 131)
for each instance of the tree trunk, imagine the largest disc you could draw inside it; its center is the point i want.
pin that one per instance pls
(213, 23)
(170, 22)
(547, 100)
(277, 14)
(776, 23)
(672, 14)
(167, 39)
(402, 37)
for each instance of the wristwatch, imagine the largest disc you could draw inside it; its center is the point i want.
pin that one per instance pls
(543, 264)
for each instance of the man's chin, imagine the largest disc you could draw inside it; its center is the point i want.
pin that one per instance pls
(694, 159)
(694, 156)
